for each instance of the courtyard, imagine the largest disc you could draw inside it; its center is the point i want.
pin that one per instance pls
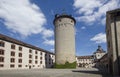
(79, 72)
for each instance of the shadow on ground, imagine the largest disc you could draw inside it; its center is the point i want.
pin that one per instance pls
(99, 72)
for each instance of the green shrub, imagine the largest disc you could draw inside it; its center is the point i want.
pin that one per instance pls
(66, 65)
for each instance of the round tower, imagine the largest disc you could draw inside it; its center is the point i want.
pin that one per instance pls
(64, 38)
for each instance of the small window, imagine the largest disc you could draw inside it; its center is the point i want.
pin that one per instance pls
(30, 51)
(2, 44)
(12, 65)
(30, 61)
(20, 54)
(40, 58)
(35, 52)
(46, 54)
(36, 62)
(12, 60)
(20, 48)
(36, 57)
(49, 55)
(19, 65)
(12, 46)
(40, 53)
(59, 20)
(40, 62)
(30, 56)
(1, 59)
(1, 65)
(71, 21)
(12, 53)
(1, 52)
(20, 60)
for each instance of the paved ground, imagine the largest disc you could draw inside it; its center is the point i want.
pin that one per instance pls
(80, 72)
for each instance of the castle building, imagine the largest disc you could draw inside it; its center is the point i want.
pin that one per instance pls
(85, 61)
(113, 40)
(99, 53)
(102, 63)
(64, 39)
(90, 61)
(15, 54)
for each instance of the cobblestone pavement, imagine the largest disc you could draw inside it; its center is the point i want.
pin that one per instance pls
(79, 72)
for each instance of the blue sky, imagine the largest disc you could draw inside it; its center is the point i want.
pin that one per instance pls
(31, 21)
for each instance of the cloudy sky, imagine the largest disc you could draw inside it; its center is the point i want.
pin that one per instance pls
(31, 21)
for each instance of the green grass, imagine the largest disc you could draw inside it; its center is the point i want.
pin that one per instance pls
(66, 65)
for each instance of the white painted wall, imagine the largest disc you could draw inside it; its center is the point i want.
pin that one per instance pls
(25, 57)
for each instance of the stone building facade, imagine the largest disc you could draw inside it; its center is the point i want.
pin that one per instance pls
(113, 40)
(91, 60)
(85, 61)
(99, 53)
(102, 63)
(15, 54)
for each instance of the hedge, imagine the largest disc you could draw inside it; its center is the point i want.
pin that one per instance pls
(66, 65)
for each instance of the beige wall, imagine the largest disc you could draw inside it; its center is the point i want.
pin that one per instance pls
(64, 40)
(25, 57)
(111, 41)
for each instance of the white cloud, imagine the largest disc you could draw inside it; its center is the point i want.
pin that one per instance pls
(47, 33)
(90, 11)
(49, 42)
(22, 16)
(99, 38)
(52, 50)
(83, 27)
(25, 18)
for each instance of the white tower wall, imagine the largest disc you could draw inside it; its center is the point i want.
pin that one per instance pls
(64, 40)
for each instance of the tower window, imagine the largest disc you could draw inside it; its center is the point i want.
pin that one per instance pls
(72, 21)
(2, 44)
(59, 20)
